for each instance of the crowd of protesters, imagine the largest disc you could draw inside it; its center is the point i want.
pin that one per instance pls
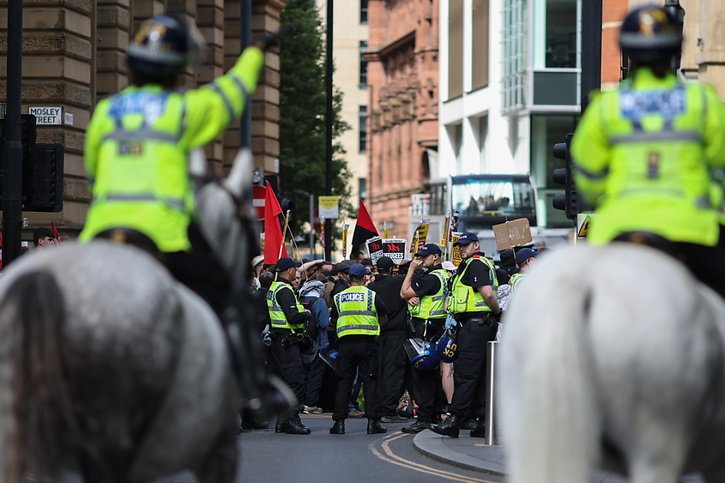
(367, 372)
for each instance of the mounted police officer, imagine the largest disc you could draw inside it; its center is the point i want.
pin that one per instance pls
(473, 304)
(645, 154)
(288, 324)
(359, 312)
(429, 315)
(138, 143)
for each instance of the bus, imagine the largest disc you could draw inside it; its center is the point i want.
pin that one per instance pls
(481, 201)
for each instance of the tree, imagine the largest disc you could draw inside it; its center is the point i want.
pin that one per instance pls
(302, 112)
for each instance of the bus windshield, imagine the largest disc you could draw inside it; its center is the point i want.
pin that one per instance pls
(484, 200)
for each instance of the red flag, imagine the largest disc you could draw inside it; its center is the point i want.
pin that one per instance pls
(56, 233)
(364, 228)
(272, 230)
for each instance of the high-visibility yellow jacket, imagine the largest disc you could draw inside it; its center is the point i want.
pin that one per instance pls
(137, 148)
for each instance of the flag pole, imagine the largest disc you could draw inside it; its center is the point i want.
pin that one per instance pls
(284, 233)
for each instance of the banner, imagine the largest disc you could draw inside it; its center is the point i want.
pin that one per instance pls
(345, 228)
(374, 247)
(329, 207)
(456, 252)
(394, 248)
(419, 238)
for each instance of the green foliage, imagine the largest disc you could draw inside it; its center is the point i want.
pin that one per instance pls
(302, 112)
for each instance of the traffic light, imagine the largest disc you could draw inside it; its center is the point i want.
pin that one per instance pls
(569, 200)
(42, 181)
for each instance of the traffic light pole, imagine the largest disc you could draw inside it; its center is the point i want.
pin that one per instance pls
(13, 147)
(328, 125)
(591, 58)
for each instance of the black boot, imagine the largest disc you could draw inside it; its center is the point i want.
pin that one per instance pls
(374, 427)
(338, 427)
(281, 420)
(450, 427)
(479, 431)
(416, 427)
(294, 426)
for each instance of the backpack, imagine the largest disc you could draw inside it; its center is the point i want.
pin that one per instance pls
(313, 329)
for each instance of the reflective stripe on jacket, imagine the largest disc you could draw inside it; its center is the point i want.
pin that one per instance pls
(356, 312)
(465, 298)
(278, 319)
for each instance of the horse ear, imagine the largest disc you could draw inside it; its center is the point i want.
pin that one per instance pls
(197, 162)
(241, 173)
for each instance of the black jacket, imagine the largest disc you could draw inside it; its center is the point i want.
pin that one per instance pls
(387, 287)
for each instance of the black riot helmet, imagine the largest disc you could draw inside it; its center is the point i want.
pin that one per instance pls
(162, 48)
(650, 35)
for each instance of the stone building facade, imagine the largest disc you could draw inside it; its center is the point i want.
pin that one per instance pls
(74, 55)
(403, 86)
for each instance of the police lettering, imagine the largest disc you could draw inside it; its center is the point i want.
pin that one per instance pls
(353, 297)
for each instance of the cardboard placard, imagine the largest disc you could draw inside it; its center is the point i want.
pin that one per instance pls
(394, 248)
(512, 234)
(374, 246)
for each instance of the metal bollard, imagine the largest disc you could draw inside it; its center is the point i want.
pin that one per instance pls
(491, 436)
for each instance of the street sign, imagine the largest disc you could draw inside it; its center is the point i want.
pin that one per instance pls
(329, 207)
(258, 194)
(46, 115)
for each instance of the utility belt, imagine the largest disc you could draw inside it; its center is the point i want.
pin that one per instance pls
(287, 338)
(437, 322)
(487, 319)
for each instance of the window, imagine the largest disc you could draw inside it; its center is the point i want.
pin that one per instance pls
(555, 32)
(479, 51)
(362, 187)
(363, 64)
(363, 11)
(514, 62)
(455, 48)
(363, 129)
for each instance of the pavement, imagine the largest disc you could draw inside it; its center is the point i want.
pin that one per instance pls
(473, 454)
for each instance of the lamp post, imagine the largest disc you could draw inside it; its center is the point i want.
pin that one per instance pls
(328, 125)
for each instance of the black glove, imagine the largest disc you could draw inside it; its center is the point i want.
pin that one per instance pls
(273, 39)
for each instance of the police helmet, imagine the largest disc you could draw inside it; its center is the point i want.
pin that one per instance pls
(422, 354)
(164, 46)
(650, 34)
(447, 346)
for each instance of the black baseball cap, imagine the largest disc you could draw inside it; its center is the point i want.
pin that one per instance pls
(429, 249)
(467, 238)
(285, 264)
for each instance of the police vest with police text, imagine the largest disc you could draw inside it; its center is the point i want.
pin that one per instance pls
(464, 298)
(278, 319)
(356, 312)
(433, 306)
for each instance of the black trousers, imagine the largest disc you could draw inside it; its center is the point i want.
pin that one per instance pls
(356, 352)
(391, 370)
(287, 361)
(427, 384)
(469, 367)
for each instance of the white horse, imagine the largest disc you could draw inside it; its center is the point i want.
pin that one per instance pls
(111, 370)
(612, 357)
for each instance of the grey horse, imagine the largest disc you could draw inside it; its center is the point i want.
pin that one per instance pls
(111, 370)
(612, 357)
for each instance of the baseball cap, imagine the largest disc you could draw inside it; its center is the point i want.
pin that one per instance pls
(285, 264)
(385, 263)
(429, 249)
(467, 238)
(341, 267)
(257, 260)
(449, 266)
(524, 254)
(358, 270)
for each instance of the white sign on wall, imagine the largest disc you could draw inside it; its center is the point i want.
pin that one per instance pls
(47, 115)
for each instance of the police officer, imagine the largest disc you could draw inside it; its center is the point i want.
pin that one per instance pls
(644, 154)
(138, 143)
(359, 313)
(288, 321)
(429, 316)
(473, 304)
(525, 258)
